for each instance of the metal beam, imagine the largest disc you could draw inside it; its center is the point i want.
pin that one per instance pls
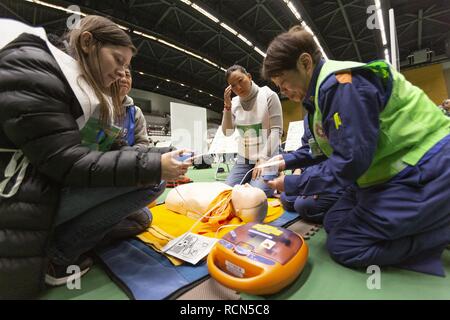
(164, 15)
(339, 38)
(345, 45)
(258, 9)
(13, 13)
(43, 24)
(327, 14)
(246, 12)
(209, 41)
(34, 16)
(221, 35)
(419, 29)
(330, 21)
(273, 18)
(142, 5)
(439, 13)
(437, 21)
(349, 27)
(310, 22)
(436, 37)
(178, 20)
(408, 26)
(348, 46)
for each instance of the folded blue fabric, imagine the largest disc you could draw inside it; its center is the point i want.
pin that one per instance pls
(148, 275)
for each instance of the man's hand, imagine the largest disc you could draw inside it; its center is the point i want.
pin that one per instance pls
(256, 173)
(281, 164)
(277, 184)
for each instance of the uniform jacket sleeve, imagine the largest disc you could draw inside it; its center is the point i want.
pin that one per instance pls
(358, 104)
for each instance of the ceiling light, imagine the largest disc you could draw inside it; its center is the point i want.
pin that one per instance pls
(381, 22)
(297, 15)
(204, 12)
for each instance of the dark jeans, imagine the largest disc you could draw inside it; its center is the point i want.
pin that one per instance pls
(86, 215)
(309, 208)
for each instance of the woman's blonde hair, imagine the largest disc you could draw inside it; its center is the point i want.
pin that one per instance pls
(104, 32)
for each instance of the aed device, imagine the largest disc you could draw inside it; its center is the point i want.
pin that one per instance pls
(258, 258)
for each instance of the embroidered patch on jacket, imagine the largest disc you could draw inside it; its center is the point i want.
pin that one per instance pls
(337, 121)
(344, 77)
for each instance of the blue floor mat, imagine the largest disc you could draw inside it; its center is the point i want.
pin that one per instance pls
(145, 274)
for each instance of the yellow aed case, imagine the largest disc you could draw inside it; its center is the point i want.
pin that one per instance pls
(258, 258)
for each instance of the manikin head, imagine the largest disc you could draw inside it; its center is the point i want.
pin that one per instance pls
(250, 203)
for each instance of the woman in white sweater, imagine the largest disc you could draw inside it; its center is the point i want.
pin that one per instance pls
(256, 113)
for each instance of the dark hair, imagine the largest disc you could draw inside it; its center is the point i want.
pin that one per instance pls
(234, 68)
(283, 52)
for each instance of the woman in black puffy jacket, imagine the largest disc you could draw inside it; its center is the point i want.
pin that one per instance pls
(58, 196)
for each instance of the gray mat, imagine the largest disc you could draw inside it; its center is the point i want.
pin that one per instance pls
(305, 229)
(210, 289)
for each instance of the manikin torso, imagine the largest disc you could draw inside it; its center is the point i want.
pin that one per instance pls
(193, 200)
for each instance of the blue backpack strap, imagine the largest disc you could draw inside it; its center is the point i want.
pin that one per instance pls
(129, 125)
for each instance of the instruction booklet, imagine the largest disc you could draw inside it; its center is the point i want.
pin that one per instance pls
(190, 247)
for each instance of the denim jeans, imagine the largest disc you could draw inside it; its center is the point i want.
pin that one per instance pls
(240, 170)
(85, 215)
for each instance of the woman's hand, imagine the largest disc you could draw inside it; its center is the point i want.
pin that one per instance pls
(171, 168)
(277, 184)
(227, 98)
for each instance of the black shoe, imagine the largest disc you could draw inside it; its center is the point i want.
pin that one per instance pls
(131, 226)
(58, 275)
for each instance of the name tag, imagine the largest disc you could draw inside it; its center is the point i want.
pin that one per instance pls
(314, 147)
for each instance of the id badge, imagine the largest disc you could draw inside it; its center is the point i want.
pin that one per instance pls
(314, 147)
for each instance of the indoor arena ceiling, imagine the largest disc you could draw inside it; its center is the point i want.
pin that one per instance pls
(183, 52)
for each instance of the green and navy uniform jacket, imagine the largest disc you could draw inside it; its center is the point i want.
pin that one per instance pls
(350, 103)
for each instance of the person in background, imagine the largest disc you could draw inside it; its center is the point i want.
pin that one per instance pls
(445, 107)
(256, 113)
(134, 132)
(133, 136)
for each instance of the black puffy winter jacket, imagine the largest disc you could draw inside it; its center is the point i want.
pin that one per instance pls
(38, 110)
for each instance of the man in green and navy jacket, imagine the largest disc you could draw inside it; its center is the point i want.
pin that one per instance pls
(386, 144)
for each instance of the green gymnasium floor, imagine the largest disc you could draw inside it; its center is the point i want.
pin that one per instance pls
(322, 278)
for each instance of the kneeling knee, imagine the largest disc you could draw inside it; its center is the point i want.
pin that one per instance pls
(307, 209)
(347, 252)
